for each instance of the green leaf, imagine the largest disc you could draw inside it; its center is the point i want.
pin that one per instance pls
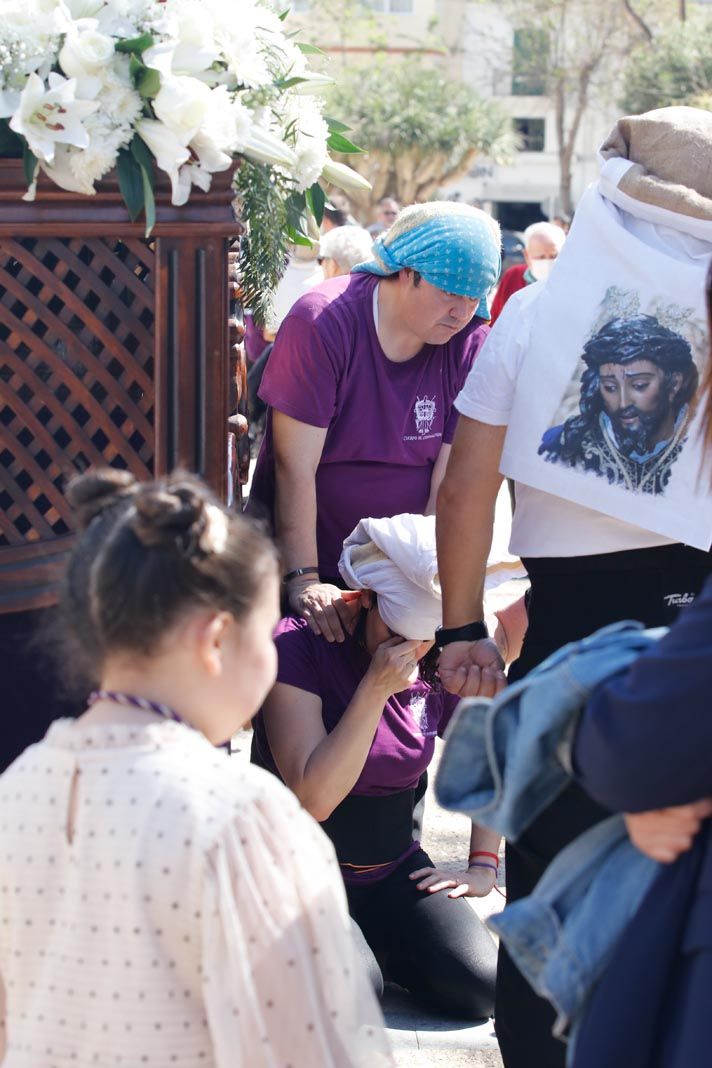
(309, 49)
(142, 154)
(335, 126)
(282, 16)
(297, 237)
(137, 45)
(316, 201)
(338, 143)
(150, 199)
(130, 182)
(29, 164)
(148, 83)
(12, 146)
(137, 167)
(296, 219)
(287, 83)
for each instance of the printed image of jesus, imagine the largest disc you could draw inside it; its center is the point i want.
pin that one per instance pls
(634, 406)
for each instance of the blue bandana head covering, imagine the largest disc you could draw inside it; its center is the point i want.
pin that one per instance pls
(454, 247)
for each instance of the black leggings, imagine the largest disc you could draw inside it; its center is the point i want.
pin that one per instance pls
(571, 598)
(434, 946)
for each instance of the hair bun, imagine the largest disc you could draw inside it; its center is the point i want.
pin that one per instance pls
(174, 515)
(92, 493)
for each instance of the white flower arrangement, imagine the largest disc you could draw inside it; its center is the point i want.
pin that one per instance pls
(185, 86)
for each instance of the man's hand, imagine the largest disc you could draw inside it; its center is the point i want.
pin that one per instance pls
(327, 609)
(472, 669)
(475, 882)
(667, 833)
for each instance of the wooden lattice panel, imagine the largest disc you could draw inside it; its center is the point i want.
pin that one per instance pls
(76, 372)
(112, 350)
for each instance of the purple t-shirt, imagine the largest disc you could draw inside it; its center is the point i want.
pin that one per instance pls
(404, 741)
(386, 421)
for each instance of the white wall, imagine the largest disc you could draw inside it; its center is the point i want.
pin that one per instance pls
(485, 63)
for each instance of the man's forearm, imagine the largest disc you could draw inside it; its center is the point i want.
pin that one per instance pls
(463, 547)
(295, 515)
(465, 519)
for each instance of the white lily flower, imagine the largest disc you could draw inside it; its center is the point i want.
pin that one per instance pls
(160, 57)
(46, 117)
(169, 152)
(264, 147)
(214, 142)
(345, 177)
(63, 173)
(313, 84)
(189, 175)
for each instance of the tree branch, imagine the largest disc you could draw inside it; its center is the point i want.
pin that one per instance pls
(638, 19)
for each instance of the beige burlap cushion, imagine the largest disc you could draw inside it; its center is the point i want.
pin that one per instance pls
(672, 152)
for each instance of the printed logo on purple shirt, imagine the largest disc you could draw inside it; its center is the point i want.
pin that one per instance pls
(419, 711)
(424, 411)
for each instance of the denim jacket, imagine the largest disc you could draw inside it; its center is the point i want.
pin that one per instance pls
(505, 761)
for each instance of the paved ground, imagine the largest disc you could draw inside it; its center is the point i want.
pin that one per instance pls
(420, 1039)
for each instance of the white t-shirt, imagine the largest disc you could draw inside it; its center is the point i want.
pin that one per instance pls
(545, 525)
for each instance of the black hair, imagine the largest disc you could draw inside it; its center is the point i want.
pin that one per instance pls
(642, 337)
(148, 552)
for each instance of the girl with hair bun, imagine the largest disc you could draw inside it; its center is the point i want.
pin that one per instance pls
(158, 905)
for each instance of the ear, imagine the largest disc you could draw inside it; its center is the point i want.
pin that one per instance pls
(210, 637)
(675, 384)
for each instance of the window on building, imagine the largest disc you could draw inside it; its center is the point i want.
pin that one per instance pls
(530, 133)
(529, 61)
(392, 7)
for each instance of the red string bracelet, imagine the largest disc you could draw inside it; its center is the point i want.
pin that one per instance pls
(484, 853)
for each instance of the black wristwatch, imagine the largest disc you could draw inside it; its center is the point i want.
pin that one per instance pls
(471, 632)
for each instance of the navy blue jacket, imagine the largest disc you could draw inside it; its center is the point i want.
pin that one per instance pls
(645, 742)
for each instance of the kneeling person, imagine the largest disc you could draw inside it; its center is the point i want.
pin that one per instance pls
(351, 728)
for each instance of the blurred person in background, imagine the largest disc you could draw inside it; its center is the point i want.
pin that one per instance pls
(337, 212)
(543, 242)
(388, 209)
(342, 248)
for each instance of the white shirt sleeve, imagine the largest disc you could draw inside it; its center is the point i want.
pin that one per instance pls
(282, 981)
(488, 392)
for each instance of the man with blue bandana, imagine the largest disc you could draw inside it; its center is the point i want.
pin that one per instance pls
(360, 387)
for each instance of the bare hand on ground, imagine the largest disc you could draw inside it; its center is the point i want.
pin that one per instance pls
(475, 882)
(472, 669)
(327, 609)
(666, 833)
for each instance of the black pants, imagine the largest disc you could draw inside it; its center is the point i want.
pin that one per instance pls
(434, 946)
(32, 694)
(571, 598)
